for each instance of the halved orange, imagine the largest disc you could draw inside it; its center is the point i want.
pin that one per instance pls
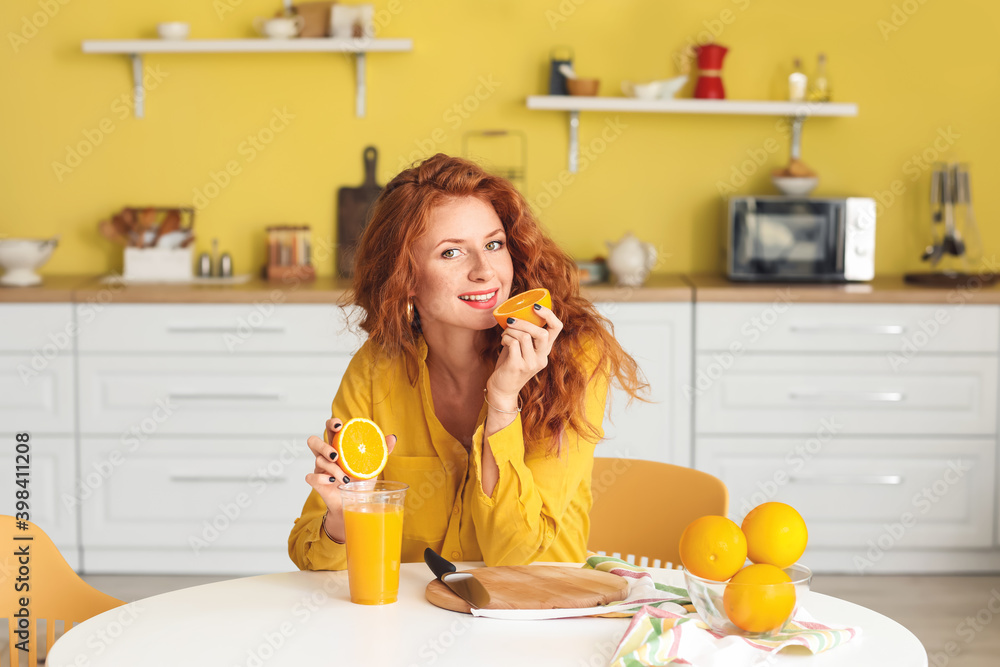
(362, 448)
(522, 307)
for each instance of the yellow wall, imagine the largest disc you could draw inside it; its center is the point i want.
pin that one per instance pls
(659, 178)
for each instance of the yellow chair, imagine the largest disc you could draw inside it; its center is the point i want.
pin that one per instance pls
(642, 507)
(56, 592)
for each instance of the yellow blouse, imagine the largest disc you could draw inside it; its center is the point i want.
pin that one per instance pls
(540, 506)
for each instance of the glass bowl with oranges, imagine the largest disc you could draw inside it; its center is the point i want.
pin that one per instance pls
(759, 600)
(746, 579)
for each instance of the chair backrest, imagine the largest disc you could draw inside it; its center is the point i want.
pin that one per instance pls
(642, 507)
(56, 592)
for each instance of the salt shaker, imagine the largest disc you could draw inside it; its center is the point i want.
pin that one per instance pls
(204, 265)
(225, 266)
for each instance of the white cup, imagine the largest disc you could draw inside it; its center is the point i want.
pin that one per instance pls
(173, 30)
(279, 28)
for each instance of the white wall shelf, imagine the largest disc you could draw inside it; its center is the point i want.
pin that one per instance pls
(359, 48)
(797, 111)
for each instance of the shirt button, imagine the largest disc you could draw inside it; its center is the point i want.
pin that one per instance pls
(455, 511)
(456, 555)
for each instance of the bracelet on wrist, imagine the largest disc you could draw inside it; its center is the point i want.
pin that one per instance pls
(506, 412)
(335, 541)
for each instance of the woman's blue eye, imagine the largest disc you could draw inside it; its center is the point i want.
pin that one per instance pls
(447, 256)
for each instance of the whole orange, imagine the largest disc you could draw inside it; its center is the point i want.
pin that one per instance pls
(522, 307)
(713, 547)
(759, 598)
(776, 534)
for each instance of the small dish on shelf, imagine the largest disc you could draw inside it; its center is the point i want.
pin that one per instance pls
(795, 186)
(173, 30)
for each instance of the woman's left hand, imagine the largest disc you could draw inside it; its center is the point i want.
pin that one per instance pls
(525, 352)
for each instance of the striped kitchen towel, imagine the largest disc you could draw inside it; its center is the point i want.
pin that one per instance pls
(642, 590)
(661, 637)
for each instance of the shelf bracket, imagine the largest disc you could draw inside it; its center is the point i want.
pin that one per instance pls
(139, 92)
(796, 147)
(574, 141)
(360, 84)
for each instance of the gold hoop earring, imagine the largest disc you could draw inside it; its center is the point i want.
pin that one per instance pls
(409, 311)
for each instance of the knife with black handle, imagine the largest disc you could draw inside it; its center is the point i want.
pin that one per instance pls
(463, 584)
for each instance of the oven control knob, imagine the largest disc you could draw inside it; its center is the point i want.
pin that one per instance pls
(861, 251)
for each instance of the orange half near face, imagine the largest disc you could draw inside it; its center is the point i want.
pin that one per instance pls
(362, 448)
(522, 307)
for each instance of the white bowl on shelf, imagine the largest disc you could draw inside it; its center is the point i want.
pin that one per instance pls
(20, 257)
(173, 30)
(795, 186)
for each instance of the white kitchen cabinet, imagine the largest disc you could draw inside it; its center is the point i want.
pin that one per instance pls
(658, 336)
(855, 490)
(53, 489)
(36, 394)
(221, 395)
(772, 393)
(268, 327)
(905, 330)
(37, 347)
(195, 504)
(44, 328)
(877, 421)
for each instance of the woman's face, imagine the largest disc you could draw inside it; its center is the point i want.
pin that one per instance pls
(464, 253)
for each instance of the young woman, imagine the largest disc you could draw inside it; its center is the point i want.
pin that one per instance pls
(493, 430)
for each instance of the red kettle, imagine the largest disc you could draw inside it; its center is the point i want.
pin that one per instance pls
(709, 86)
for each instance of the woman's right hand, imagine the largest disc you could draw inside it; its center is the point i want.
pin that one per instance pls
(327, 477)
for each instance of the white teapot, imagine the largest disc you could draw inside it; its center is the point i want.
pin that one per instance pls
(630, 260)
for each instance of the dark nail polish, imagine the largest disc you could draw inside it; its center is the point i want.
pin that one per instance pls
(333, 479)
(337, 427)
(347, 480)
(333, 455)
(538, 306)
(394, 435)
(510, 320)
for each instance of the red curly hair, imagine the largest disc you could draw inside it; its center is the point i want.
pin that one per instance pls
(386, 269)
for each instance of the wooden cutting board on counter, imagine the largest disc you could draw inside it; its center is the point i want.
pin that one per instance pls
(353, 209)
(535, 587)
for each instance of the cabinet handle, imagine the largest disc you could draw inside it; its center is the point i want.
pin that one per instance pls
(880, 480)
(225, 328)
(221, 478)
(226, 396)
(867, 396)
(891, 329)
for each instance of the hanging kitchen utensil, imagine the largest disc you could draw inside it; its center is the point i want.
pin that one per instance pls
(559, 56)
(956, 246)
(952, 242)
(502, 152)
(965, 211)
(353, 212)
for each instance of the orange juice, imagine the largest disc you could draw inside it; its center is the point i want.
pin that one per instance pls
(374, 534)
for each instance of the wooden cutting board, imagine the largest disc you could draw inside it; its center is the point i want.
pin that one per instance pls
(353, 210)
(535, 587)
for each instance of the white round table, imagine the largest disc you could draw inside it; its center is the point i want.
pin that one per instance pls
(306, 618)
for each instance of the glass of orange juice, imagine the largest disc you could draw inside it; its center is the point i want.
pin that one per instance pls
(373, 523)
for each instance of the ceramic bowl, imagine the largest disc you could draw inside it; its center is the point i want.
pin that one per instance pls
(173, 30)
(20, 257)
(708, 598)
(795, 186)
